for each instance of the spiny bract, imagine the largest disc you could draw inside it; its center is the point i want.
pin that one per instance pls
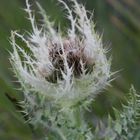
(66, 70)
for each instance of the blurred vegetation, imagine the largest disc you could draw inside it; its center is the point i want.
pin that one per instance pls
(118, 20)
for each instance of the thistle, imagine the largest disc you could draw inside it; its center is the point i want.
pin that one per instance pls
(60, 72)
(65, 69)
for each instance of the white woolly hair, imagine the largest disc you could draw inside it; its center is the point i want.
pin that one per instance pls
(46, 46)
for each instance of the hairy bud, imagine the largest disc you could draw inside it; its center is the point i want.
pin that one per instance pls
(65, 69)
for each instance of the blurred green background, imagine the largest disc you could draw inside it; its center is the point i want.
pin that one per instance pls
(118, 20)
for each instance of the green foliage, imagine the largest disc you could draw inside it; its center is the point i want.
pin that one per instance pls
(119, 20)
(125, 125)
(126, 122)
(73, 125)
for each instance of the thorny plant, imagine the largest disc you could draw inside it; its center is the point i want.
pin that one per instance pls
(60, 75)
(65, 69)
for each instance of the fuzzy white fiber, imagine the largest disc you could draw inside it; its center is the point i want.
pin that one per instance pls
(33, 67)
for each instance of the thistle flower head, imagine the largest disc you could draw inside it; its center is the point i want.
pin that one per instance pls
(65, 69)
